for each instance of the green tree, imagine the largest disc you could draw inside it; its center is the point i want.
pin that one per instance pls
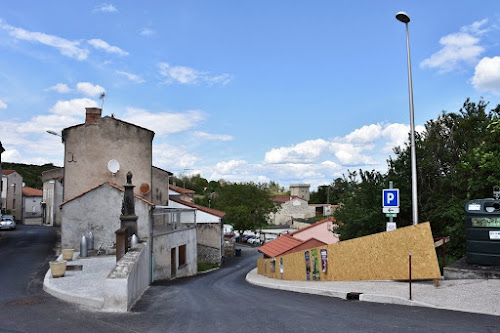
(246, 205)
(458, 159)
(360, 210)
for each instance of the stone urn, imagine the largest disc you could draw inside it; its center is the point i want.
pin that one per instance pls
(57, 268)
(67, 254)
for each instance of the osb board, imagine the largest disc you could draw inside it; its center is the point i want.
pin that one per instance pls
(382, 256)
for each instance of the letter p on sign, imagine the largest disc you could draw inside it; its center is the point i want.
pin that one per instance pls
(390, 197)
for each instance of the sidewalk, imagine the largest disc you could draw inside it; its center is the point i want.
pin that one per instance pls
(475, 296)
(84, 287)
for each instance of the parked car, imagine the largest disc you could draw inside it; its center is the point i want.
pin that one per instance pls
(245, 238)
(254, 240)
(7, 223)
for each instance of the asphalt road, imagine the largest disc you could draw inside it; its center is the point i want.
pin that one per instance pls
(220, 301)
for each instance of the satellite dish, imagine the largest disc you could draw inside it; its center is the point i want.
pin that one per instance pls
(113, 166)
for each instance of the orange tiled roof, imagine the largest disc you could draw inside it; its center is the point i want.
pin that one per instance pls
(211, 211)
(7, 172)
(181, 190)
(279, 245)
(32, 192)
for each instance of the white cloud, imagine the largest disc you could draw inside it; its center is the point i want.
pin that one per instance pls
(487, 75)
(66, 47)
(105, 8)
(164, 123)
(89, 89)
(3, 105)
(172, 157)
(190, 76)
(61, 88)
(365, 134)
(457, 48)
(74, 107)
(99, 44)
(146, 32)
(208, 136)
(131, 77)
(304, 152)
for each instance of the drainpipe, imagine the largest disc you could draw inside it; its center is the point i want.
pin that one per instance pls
(151, 253)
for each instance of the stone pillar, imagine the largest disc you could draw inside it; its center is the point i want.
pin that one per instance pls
(128, 218)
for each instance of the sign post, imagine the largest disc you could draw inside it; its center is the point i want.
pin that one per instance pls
(390, 205)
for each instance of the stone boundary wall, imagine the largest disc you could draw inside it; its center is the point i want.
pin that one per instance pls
(128, 280)
(209, 255)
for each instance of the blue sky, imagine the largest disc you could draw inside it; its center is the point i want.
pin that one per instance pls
(290, 91)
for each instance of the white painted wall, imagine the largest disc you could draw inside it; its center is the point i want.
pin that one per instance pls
(99, 210)
(128, 280)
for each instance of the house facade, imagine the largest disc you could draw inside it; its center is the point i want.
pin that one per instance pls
(91, 146)
(291, 207)
(323, 230)
(53, 186)
(12, 193)
(32, 206)
(98, 155)
(300, 190)
(209, 231)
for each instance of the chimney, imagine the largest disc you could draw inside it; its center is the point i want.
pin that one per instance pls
(92, 115)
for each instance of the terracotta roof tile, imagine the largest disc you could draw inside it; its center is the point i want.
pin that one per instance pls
(211, 211)
(7, 172)
(32, 192)
(181, 190)
(110, 184)
(279, 245)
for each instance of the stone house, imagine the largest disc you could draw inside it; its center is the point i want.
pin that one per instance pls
(181, 193)
(323, 230)
(32, 206)
(12, 193)
(52, 196)
(98, 155)
(300, 190)
(209, 231)
(291, 207)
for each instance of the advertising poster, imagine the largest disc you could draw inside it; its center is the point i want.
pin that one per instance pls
(281, 267)
(324, 260)
(308, 265)
(316, 275)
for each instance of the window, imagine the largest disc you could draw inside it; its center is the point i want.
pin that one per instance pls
(182, 255)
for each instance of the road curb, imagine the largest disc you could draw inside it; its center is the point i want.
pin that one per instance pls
(374, 298)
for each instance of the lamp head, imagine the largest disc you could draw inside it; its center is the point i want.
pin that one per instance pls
(403, 17)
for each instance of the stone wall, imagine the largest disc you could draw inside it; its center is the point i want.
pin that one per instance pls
(296, 208)
(208, 255)
(128, 280)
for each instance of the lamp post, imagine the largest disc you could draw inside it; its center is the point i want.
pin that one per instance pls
(403, 17)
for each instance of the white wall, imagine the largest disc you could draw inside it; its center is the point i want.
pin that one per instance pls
(128, 280)
(99, 210)
(164, 242)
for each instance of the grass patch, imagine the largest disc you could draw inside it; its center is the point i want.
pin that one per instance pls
(206, 266)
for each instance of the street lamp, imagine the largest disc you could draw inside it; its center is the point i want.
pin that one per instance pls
(54, 133)
(403, 17)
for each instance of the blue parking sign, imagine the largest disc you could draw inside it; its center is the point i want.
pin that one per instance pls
(390, 197)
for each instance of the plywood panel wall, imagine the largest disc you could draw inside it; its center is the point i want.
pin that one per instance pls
(382, 256)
